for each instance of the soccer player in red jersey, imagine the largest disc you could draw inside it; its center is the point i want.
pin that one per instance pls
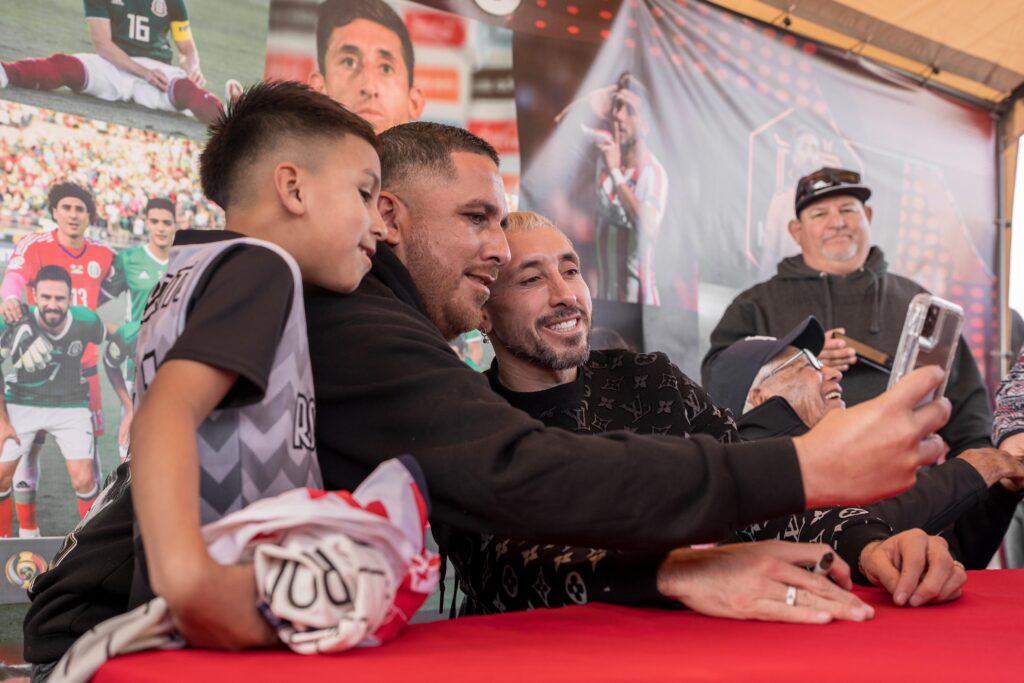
(90, 264)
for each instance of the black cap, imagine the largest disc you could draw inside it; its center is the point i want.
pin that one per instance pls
(826, 182)
(734, 369)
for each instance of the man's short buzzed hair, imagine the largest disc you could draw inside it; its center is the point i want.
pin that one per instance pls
(159, 203)
(334, 14)
(53, 273)
(266, 115)
(425, 146)
(68, 189)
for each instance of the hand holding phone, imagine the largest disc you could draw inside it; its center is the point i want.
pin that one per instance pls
(930, 336)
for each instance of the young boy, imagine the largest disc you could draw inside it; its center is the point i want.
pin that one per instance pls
(224, 404)
(222, 345)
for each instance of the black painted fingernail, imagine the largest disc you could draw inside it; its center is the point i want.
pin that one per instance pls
(826, 561)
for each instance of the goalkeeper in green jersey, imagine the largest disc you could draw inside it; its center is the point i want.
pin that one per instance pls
(46, 391)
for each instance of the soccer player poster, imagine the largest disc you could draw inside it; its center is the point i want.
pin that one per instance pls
(393, 61)
(92, 206)
(165, 65)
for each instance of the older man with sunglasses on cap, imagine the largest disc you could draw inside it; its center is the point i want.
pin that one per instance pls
(844, 281)
(779, 387)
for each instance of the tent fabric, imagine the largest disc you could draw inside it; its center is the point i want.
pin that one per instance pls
(974, 46)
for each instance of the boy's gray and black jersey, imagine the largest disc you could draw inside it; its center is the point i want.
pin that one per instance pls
(242, 312)
(248, 449)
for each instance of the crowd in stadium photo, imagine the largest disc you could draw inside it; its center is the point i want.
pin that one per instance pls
(329, 392)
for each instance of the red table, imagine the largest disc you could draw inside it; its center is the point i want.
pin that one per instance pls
(979, 637)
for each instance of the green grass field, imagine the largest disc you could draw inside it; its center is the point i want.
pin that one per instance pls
(231, 37)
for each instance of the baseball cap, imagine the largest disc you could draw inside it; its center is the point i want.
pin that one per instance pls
(826, 182)
(734, 369)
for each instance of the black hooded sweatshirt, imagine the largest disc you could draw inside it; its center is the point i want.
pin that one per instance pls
(871, 304)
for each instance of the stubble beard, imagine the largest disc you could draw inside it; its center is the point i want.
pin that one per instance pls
(531, 349)
(439, 288)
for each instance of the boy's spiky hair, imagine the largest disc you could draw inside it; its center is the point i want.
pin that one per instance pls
(266, 115)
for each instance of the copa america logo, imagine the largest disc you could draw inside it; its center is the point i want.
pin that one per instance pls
(498, 8)
(23, 567)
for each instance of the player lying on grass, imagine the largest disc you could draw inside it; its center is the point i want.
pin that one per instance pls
(132, 62)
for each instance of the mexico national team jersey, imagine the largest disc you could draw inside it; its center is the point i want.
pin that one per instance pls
(136, 271)
(141, 27)
(59, 384)
(90, 268)
(248, 449)
(625, 256)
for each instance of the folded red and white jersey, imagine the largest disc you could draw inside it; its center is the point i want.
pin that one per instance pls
(335, 570)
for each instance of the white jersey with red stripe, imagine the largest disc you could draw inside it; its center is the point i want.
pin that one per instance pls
(625, 254)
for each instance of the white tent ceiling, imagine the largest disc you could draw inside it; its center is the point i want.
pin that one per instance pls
(973, 47)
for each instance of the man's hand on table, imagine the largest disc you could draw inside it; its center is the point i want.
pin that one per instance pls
(1014, 445)
(996, 465)
(873, 450)
(751, 581)
(914, 567)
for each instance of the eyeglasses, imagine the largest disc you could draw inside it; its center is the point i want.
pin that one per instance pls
(812, 360)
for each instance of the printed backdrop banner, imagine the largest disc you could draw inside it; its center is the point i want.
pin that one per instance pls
(463, 68)
(727, 114)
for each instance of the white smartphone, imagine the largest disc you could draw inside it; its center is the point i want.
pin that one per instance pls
(930, 336)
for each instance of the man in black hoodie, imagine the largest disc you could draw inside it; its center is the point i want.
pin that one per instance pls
(844, 282)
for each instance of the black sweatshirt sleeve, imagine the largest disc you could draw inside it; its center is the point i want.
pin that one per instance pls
(970, 423)
(394, 386)
(940, 495)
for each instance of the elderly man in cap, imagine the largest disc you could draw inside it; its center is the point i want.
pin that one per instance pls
(844, 281)
(778, 387)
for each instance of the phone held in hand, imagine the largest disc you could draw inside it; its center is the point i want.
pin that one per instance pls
(930, 336)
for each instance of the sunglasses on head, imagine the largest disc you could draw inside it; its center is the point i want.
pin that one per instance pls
(832, 176)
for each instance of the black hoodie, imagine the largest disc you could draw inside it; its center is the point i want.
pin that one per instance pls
(388, 383)
(871, 304)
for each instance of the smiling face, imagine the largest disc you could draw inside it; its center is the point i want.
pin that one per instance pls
(812, 393)
(364, 71)
(540, 306)
(342, 224)
(834, 234)
(72, 217)
(449, 233)
(53, 298)
(161, 226)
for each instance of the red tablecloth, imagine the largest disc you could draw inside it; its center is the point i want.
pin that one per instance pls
(979, 637)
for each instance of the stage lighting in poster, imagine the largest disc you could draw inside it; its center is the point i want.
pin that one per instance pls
(722, 115)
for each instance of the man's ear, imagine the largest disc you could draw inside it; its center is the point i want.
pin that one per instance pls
(757, 396)
(869, 213)
(485, 322)
(395, 217)
(288, 186)
(316, 81)
(795, 230)
(416, 103)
